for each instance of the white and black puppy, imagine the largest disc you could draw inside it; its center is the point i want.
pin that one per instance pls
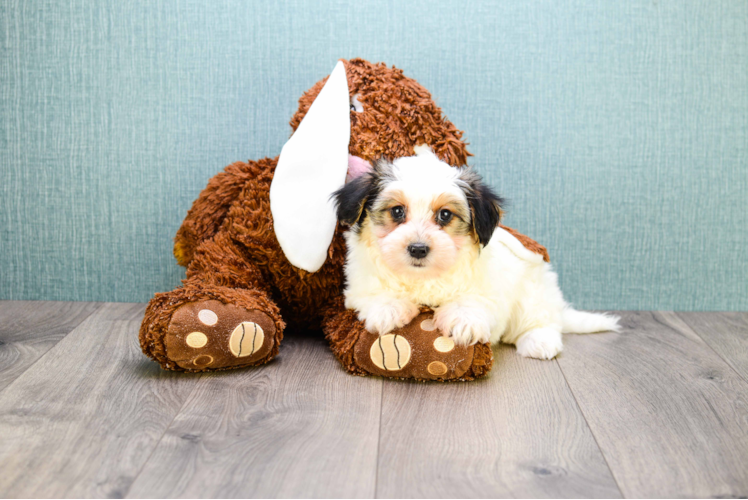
(425, 233)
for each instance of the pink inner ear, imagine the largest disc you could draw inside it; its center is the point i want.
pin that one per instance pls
(356, 167)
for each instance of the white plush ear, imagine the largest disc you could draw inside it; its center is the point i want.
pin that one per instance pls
(423, 149)
(312, 166)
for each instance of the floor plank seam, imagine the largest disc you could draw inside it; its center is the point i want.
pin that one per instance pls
(726, 361)
(158, 443)
(379, 439)
(98, 306)
(592, 432)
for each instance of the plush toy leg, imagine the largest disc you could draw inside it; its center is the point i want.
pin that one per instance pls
(221, 318)
(418, 350)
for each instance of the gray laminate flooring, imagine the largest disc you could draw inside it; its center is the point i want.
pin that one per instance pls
(658, 410)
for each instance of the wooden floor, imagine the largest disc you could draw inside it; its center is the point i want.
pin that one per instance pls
(658, 410)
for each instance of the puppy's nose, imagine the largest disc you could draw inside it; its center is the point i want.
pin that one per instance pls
(418, 250)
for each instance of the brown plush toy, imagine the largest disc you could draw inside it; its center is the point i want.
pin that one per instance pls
(262, 238)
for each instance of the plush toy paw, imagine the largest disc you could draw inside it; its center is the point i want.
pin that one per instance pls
(419, 350)
(384, 315)
(466, 325)
(210, 335)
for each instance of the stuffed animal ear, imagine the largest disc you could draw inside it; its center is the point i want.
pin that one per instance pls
(312, 166)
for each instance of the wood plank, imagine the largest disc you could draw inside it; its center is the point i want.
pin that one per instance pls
(298, 427)
(28, 329)
(670, 415)
(726, 333)
(82, 421)
(517, 434)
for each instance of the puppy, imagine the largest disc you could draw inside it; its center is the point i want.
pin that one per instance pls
(424, 233)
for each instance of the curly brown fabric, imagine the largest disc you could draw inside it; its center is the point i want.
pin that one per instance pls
(399, 115)
(228, 244)
(529, 243)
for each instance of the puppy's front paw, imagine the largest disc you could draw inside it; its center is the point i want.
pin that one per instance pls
(541, 343)
(467, 325)
(384, 315)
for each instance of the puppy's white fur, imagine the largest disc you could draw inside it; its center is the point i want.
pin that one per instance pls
(500, 292)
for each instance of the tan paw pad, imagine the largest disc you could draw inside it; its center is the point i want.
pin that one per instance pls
(203, 360)
(246, 339)
(390, 352)
(207, 317)
(437, 368)
(196, 340)
(444, 344)
(428, 325)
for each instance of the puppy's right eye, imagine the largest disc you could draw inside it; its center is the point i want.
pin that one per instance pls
(398, 213)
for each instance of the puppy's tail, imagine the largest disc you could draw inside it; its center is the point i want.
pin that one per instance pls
(586, 322)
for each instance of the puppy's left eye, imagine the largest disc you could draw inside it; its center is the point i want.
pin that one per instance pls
(444, 216)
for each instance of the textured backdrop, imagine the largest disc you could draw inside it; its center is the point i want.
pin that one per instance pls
(618, 130)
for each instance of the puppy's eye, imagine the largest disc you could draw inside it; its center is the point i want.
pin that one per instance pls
(398, 213)
(444, 216)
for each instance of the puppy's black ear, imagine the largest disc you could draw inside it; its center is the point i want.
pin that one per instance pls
(353, 197)
(485, 206)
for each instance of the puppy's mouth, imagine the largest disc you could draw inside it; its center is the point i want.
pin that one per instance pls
(418, 263)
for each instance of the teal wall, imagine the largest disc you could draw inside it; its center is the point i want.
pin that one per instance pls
(618, 130)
